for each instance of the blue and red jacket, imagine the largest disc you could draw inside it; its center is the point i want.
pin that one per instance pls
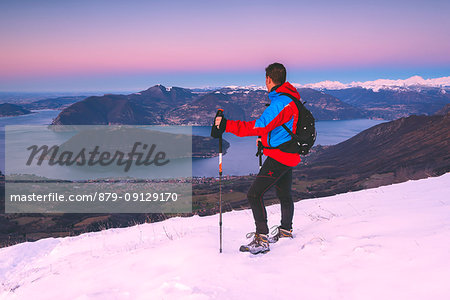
(282, 110)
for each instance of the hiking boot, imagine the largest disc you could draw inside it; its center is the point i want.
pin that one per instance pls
(259, 244)
(279, 233)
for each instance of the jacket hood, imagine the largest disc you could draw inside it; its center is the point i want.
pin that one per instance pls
(288, 88)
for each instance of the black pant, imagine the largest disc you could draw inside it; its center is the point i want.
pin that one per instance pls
(272, 173)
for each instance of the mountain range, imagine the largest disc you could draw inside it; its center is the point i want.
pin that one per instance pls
(413, 83)
(53, 103)
(178, 106)
(393, 104)
(380, 99)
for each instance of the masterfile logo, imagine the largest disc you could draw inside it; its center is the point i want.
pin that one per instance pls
(95, 157)
(102, 169)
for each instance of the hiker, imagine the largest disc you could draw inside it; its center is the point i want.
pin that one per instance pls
(277, 168)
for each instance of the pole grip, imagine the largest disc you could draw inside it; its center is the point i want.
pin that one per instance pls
(260, 152)
(220, 114)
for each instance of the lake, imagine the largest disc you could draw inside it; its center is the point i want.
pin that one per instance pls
(240, 158)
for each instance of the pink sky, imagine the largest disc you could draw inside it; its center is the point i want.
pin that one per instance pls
(48, 38)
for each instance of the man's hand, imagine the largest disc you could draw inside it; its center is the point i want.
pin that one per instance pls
(217, 122)
(220, 124)
(258, 140)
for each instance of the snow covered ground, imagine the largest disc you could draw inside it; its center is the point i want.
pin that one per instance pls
(391, 242)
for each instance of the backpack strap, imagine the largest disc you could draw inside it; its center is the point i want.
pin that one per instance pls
(294, 137)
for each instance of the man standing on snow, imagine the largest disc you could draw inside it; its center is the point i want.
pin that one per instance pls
(277, 168)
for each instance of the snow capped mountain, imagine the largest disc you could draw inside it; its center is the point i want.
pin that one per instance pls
(232, 89)
(327, 84)
(390, 242)
(414, 82)
(252, 87)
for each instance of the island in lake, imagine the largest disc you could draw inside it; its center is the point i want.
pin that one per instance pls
(11, 110)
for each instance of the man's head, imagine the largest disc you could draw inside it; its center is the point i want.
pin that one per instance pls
(275, 75)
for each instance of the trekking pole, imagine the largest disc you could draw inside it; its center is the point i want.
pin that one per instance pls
(220, 114)
(260, 153)
(260, 147)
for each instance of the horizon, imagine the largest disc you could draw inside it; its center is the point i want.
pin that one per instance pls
(75, 92)
(296, 84)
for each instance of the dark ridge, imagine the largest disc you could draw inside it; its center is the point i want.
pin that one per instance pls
(9, 110)
(408, 148)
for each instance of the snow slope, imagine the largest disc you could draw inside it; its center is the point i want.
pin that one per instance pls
(391, 242)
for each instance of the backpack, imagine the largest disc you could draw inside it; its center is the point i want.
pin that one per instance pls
(305, 134)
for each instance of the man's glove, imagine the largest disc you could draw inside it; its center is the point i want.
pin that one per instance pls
(217, 132)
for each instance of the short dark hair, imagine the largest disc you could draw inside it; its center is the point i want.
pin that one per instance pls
(277, 72)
